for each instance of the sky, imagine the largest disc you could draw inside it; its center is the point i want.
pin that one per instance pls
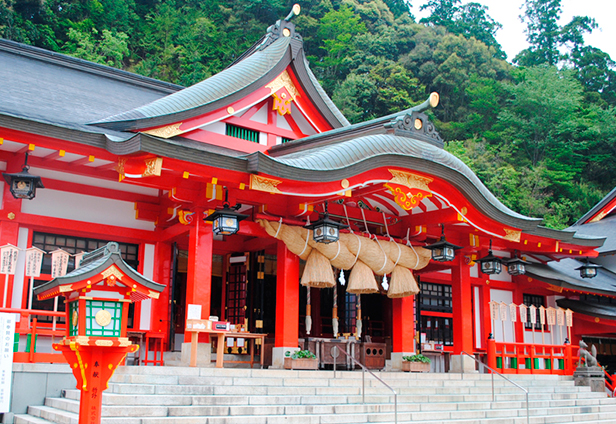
(512, 38)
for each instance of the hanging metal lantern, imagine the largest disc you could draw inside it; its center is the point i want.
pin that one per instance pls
(490, 264)
(442, 250)
(326, 230)
(23, 185)
(226, 221)
(588, 270)
(516, 266)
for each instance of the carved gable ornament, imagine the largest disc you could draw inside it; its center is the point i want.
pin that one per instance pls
(408, 189)
(284, 92)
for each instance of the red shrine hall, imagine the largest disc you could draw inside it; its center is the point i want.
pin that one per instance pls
(250, 195)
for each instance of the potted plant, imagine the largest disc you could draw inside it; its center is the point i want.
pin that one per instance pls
(301, 360)
(416, 363)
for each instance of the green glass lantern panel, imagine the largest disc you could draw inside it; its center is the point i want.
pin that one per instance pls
(103, 318)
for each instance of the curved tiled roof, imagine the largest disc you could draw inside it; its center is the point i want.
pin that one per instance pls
(258, 66)
(96, 261)
(357, 155)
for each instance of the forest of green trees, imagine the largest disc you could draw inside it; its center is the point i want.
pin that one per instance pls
(538, 129)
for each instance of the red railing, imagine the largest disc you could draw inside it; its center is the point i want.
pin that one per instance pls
(523, 358)
(28, 325)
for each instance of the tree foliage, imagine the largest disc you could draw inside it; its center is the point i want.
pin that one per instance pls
(541, 134)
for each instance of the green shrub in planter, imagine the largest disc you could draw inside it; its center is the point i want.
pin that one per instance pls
(300, 354)
(417, 358)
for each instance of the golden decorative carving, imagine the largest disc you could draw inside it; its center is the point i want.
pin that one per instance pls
(103, 318)
(124, 341)
(600, 216)
(410, 180)
(153, 167)
(104, 343)
(120, 166)
(11, 215)
(112, 270)
(344, 183)
(154, 295)
(166, 132)
(230, 110)
(66, 288)
(283, 80)
(512, 235)
(264, 184)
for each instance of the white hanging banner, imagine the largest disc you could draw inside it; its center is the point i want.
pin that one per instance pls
(523, 313)
(503, 311)
(78, 258)
(533, 314)
(542, 315)
(8, 255)
(513, 312)
(560, 316)
(59, 263)
(34, 261)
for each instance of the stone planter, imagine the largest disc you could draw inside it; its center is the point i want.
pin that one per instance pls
(301, 364)
(415, 366)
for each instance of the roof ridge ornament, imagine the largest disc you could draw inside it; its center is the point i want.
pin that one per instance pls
(413, 121)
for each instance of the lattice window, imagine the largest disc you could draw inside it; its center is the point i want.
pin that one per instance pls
(436, 297)
(437, 329)
(243, 133)
(236, 293)
(109, 328)
(350, 312)
(531, 299)
(285, 140)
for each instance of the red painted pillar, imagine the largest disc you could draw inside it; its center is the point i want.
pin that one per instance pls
(403, 324)
(518, 299)
(162, 275)
(9, 229)
(461, 292)
(199, 278)
(287, 298)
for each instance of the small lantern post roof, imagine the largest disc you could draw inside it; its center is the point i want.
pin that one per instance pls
(97, 266)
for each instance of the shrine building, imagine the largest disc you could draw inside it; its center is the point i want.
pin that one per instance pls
(251, 195)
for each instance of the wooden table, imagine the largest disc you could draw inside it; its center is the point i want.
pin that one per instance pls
(221, 344)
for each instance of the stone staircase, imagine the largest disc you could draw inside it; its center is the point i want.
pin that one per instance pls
(181, 395)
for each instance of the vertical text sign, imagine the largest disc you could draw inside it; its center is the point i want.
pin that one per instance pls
(8, 258)
(59, 263)
(34, 261)
(7, 332)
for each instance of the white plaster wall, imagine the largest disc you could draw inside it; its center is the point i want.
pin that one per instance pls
(300, 120)
(217, 127)
(497, 325)
(477, 317)
(145, 319)
(20, 279)
(80, 207)
(94, 182)
(261, 115)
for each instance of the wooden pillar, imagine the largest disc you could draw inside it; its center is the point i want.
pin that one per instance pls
(462, 293)
(403, 325)
(287, 298)
(199, 278)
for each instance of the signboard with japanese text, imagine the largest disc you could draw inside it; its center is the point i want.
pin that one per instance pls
(59, 263)
(8, 258)
(34, 262)
(7, 332)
